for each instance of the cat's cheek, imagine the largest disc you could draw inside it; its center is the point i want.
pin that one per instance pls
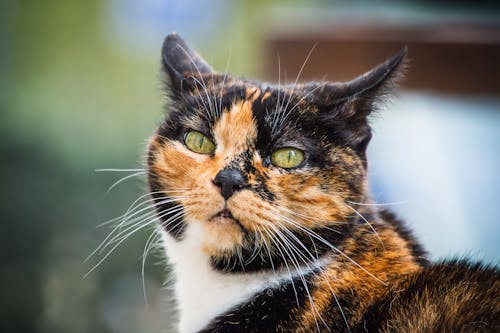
(347, 174)
(178, 156)
(174, 164)
(251, 211)
(203, 205)
(302, 198)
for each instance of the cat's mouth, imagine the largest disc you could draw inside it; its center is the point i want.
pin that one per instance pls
(225, 217)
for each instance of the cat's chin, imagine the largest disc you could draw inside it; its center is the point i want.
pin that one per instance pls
(222, 233)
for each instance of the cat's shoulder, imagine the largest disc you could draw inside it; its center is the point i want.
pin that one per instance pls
(450, 296)
(405, 233)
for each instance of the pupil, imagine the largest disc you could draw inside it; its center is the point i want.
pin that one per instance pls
(200, 142)
(290, 153)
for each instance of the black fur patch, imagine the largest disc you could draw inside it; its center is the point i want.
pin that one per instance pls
(282, 256)
(264, 312)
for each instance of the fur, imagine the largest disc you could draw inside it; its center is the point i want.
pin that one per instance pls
(298, 249)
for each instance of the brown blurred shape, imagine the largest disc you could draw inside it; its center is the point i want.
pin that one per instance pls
(447, 58)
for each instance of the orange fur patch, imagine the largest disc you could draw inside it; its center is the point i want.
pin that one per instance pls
(252, 94)
(235, 131)
(190, 175)
(265, 96)
(369, 278)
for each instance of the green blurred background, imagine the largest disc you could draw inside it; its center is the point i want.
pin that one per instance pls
(79, 91)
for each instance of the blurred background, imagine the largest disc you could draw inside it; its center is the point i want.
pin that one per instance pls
(80, 91)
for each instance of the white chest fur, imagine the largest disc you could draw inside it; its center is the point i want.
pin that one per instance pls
(203, 293)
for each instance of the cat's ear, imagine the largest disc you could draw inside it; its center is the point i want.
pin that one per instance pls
(348, 104)
(362, 94)
(182, 64)
(374, 86)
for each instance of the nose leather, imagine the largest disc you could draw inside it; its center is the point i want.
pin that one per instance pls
(229, 180)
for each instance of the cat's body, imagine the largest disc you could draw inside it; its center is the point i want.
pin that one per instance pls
(267, 220)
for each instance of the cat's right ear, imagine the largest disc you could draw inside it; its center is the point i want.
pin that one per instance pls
(182, 65)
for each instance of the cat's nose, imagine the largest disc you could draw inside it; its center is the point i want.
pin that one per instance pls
(229, 180)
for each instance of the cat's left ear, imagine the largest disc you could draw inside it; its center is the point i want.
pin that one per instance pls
(347, 105)
(182, 64)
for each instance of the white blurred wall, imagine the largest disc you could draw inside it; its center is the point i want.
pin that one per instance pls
(438, 159)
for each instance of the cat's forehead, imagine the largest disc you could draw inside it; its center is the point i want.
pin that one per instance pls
(218, 94)
(236, 130)
(241, 113)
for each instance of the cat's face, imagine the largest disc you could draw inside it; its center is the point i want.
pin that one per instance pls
(269, 174)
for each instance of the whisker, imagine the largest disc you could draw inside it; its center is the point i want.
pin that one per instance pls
(239, 254)
(223, 83)
(368, 223)
(274, 241)
(291, 234)
(213, 96)
(119, 170)
(273, 122)
(147, 247)
(203, 86)
(257, 247)
(296, 81)
(132, 207)
(378, 204)
(175, 198)
(108, 238)
(287, 113)
(124, 179)
(120, 242)
(324, 241)
(201, 77)
(267, 250)
(144, 219)
(286, 243)
(311, 218)
(340, 307)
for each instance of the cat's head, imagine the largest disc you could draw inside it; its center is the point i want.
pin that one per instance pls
(267, 174)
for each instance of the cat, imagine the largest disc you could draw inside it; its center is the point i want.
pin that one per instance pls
(267, 220)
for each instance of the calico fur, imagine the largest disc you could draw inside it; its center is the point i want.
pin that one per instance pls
(299, 249)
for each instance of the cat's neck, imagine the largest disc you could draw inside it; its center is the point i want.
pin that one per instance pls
(376, 255)
(202, 293)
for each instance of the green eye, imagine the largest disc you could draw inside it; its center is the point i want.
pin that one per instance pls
(199, 143)
(287, 157)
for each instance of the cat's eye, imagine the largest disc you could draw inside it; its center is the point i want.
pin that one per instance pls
(199, 143)
(287, 157)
